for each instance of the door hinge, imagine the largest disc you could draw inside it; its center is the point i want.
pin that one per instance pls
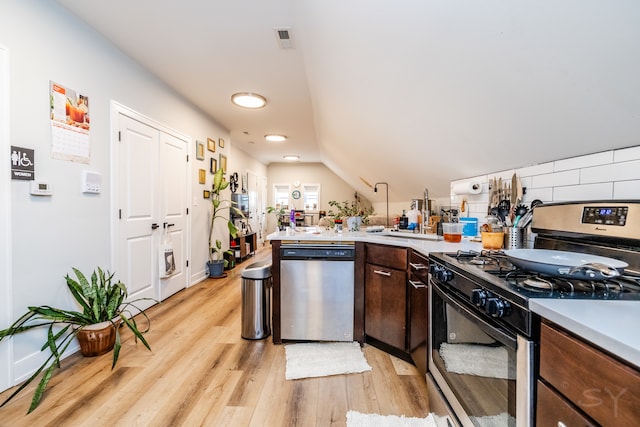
(187, 211)
(187, 158)
(187, 263)
(120, 136)
(119, 213)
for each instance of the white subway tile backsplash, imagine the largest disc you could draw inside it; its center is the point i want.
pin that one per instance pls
(535, 169)
(626, 190)
(614, 172)
(607, 175)
(596, 159)
(626, 154)
(544, 194)
(601, 191)
(556, 179)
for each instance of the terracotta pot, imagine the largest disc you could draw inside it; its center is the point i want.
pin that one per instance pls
(97, 339)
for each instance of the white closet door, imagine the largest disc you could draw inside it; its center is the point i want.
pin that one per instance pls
(139, 225)
(173, 208)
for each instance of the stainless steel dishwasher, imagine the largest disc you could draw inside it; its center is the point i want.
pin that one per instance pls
(316, 292)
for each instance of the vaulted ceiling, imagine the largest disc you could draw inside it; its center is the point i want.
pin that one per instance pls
(413, 93)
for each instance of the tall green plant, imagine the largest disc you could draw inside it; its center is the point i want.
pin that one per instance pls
(101, 300)
(218, 207)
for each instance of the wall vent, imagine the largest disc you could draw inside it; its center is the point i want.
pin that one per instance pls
(283, 35)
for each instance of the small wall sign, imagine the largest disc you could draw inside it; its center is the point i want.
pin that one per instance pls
(22, 163)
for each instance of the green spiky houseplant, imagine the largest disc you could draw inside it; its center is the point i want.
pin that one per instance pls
(218, 208)
(102, 301)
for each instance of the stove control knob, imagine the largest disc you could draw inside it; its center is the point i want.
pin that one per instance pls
(479, 297)
(497, 307)
(442, 274)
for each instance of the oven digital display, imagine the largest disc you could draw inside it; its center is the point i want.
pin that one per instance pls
(614, 215)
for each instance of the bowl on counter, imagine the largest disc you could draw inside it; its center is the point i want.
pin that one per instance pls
(492, 240)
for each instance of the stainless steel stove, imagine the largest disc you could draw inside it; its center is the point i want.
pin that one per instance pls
(480, 300)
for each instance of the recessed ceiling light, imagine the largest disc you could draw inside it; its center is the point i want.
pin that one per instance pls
(248, 100)
(291, 157)
(275, 138)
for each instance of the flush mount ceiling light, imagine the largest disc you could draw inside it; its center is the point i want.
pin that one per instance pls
(248, 100)
(275, 138)
(291, 157)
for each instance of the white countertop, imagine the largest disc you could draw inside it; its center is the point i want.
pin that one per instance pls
(611, 325)
(423, 243)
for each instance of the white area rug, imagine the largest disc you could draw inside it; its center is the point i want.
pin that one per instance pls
(502, 420)
(480, 360)
(356, 419)
(322, 359)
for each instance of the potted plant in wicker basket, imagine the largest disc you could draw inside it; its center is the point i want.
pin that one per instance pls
(103, 305)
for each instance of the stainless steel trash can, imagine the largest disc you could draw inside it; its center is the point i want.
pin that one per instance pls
(256, 301)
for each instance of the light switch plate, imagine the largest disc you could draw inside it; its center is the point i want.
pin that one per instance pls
(91, 182)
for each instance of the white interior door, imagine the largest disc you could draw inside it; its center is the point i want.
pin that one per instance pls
(5, 223)
(139, 224)
(174, 198)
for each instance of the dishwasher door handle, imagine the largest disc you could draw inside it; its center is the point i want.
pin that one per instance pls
(382, 273)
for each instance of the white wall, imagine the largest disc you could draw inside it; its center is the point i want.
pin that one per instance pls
(608, 175)
(5, 221)
(69, 229)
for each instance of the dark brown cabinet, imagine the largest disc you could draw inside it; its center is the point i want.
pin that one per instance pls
(386, 295)
(579, 383)
(418, 291)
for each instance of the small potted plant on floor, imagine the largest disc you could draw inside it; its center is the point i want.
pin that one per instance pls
(219, 206)
(97, 326)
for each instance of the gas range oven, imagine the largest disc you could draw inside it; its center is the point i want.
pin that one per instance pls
(483, 336)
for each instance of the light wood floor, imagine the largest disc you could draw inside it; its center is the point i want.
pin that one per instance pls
(202, 373)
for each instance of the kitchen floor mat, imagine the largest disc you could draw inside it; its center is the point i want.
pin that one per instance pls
(357, 419)
(308, 360)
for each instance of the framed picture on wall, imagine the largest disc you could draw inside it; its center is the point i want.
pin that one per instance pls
(213, 166)
(221, 142)
(223, 163)
(211, 145)
(202, 176)
(199, 150)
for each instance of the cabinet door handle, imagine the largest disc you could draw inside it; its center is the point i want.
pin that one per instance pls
(418, 266)
(417, 285)
(382, 273)
(561, 424)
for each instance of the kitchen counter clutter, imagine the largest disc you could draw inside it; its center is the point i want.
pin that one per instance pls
(423, 243)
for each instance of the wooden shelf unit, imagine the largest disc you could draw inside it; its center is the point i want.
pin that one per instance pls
(244, 246)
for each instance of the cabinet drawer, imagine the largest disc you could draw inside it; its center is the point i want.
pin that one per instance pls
(419, 266)
(552, 409)
(387, 256)
(605, 389)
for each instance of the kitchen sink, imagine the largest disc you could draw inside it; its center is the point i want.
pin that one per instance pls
(412, 235)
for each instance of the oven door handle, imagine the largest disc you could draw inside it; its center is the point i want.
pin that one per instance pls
(492, 329)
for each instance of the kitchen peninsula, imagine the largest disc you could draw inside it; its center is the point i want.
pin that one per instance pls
(577, 316)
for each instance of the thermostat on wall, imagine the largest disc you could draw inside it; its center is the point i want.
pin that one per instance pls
(91, 182)
(41, 188)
